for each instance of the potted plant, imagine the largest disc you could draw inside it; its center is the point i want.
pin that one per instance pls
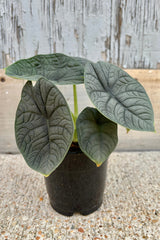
(71, 149)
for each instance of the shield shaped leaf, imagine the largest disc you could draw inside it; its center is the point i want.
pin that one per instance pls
(43, 126)
(118, 96)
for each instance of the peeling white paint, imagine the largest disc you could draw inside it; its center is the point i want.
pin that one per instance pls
(124, 32)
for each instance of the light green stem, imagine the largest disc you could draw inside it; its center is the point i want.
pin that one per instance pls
(75, 101)
(75, 115)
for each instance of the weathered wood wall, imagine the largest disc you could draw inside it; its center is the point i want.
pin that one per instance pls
(123, 32)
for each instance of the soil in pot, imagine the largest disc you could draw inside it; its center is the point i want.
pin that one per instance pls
(77, 185)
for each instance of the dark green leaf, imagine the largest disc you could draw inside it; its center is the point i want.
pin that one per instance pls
(58, 68)
(43, 126)
(97, 135)
(118, 96)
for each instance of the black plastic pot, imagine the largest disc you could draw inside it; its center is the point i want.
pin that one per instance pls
(77, 185)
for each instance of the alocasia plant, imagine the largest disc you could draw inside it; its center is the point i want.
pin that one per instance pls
(45, 127)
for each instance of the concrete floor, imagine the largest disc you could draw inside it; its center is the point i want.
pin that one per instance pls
(130, 210)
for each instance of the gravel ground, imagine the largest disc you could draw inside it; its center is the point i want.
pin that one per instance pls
(130, 210)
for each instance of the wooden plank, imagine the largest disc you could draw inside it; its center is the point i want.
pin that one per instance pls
(144, 75)
(126, 33)
(135, 140)
(10, 91)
